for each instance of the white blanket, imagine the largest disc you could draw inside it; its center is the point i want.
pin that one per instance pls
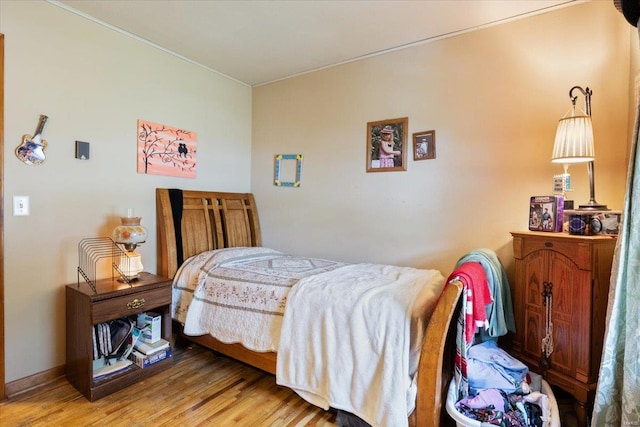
(346, 339)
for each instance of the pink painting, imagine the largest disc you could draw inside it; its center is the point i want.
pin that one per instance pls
(165, 150)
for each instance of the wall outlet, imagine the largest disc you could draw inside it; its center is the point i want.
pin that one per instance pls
(20, 205)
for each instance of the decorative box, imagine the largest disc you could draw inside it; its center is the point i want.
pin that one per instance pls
(150, 325)
(144, 360)
(592, 222)
(546, 213)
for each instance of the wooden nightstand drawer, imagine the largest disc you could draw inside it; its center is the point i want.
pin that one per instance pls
(128, 305)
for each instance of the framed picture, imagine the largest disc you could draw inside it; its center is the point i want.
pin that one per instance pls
(288, 173)
(166, 150)
(424, 145)
(387, 145)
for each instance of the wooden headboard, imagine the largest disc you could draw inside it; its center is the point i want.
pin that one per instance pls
(190, 222)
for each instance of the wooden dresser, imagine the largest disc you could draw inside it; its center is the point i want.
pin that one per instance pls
(111, 300)
(560, 296)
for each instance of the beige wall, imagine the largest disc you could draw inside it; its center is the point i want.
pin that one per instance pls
(94, 83)
(493, 96)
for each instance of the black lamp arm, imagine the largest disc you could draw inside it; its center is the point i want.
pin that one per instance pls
(587, 97)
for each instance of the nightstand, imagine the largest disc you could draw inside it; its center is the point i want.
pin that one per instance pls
(112, 300)
(560, 298)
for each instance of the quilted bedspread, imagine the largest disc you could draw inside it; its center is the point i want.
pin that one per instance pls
(238, 295)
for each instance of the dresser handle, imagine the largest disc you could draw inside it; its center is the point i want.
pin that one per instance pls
(136, 303)
(547, 292)
(548, 244)
(547, 340)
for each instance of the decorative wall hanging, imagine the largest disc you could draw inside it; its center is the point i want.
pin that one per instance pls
(165, 150)
(288, 169)
(424, 145)
(82, 150)
(32, 149)
(386, 145)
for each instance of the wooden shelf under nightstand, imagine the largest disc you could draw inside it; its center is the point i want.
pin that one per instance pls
(112, 300)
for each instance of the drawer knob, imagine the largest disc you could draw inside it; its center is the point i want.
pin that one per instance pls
(548, 244)
(136, 303)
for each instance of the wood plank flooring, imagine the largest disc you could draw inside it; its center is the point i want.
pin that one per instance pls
(200, 389)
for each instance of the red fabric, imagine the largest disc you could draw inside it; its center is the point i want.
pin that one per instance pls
(478, 296)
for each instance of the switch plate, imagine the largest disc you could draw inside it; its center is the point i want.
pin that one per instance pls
(20, 205)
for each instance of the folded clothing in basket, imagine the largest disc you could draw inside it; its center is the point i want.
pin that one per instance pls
(502, 391)
(541, 395)
(489, 366)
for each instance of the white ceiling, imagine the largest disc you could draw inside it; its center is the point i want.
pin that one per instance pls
(261, 41)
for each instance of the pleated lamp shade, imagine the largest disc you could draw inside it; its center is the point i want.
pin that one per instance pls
(574, 140)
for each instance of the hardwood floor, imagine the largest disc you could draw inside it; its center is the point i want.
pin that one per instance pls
(201, 389)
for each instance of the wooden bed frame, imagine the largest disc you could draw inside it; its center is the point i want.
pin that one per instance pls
(211, 220)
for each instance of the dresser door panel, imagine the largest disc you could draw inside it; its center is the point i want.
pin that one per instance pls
(534, 308)
(565, 288)
(571, 296)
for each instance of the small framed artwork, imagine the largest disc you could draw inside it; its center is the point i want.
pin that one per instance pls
(387, 145)
(424, 145)
(288, 170)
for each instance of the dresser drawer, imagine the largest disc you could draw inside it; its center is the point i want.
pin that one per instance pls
(578, 252)
(128, 305)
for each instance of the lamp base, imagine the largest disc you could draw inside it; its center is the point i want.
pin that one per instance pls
(130, 266)
(593, 206)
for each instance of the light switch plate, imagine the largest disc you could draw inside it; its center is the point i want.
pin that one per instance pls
(20, 205)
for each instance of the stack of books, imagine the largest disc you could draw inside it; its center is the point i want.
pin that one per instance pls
(146, 354)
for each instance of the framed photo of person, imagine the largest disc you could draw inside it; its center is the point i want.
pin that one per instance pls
(424, 145)
(387, 145)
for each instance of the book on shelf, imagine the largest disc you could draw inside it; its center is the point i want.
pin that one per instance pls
(146, 360)
(111, 369)
(151, 348)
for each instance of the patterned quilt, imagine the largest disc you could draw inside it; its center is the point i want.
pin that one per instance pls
(238, 295)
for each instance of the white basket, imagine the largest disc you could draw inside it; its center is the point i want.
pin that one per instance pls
(461, 420)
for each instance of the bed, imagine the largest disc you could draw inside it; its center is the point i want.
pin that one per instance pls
(196, 222)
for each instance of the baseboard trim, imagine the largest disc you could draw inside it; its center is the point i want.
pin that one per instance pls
(32, 381)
